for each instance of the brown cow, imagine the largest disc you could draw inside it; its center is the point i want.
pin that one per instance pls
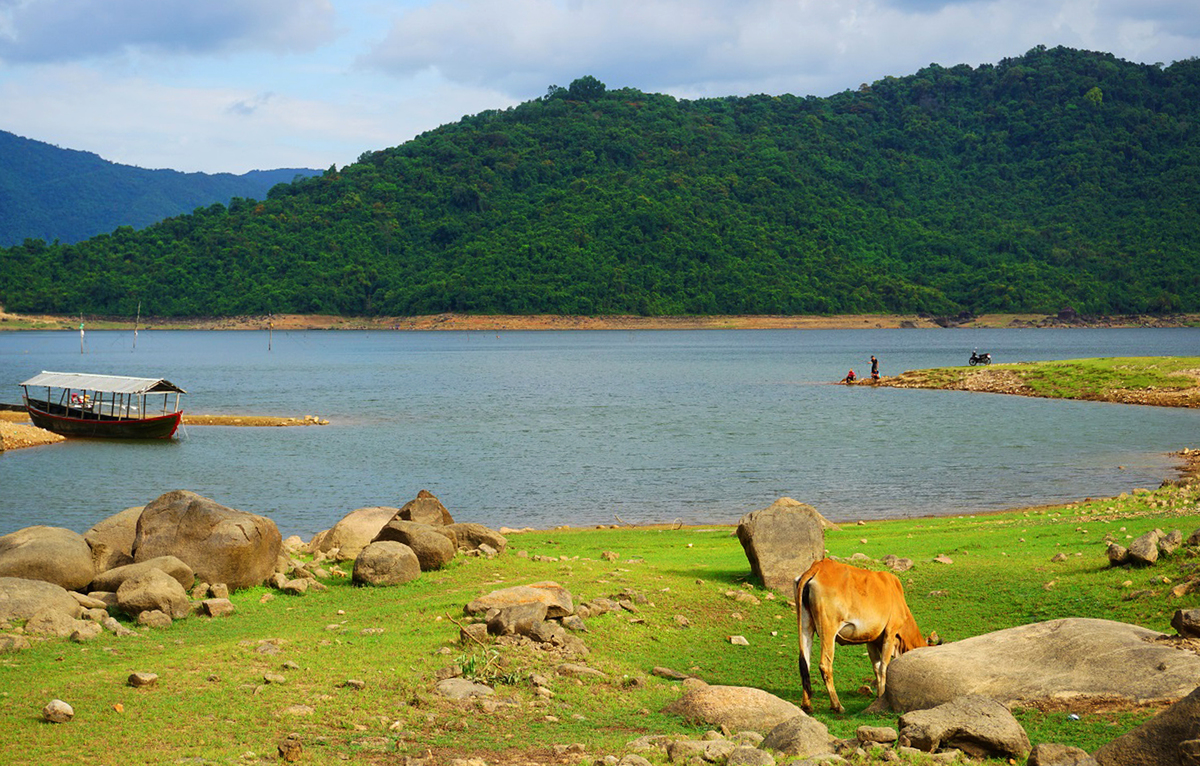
(848, 605)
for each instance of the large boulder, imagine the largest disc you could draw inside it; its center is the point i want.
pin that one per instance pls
(556, 598)
(1070, 658)
(426, 509)
(434, 546)
(470, 536)
(386, 563)
(20, 599)
(782, 541)
(353, 532)
(800, 736)
(220, 544)
(979, 726)
(112, 539)
(1160, 740)
(153, 590)
(112, 579)
(53, 554)
(740, 708)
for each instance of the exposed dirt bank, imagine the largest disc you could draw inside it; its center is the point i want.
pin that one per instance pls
(554, 322)
(999, 380)
(16, 431)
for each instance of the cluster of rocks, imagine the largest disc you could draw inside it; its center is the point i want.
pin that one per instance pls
(1145, 550)
(391, 546)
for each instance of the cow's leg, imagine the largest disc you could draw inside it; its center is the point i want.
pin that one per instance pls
(873, 652)
(887, 650)
(828, 630)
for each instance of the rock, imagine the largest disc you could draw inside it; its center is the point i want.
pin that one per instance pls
(462, 688)
(86, 632)
(669, 674)
(1118, 555)
(749, 756)
(386, 563)
(51, 554)
(473, 536)
(881, 734)
(20, 599)
(112, 579)
(557, 599)
(472, 633)
(979, 726)
(633, 759)
(515, 619)
(140, 680)
(737, 707)
(1050, 754)
(57, 711)
(220, 544)
(111, 540)
(49, 621)
(13, 644)
(1170, 542)
(153, 590)
(782, 541)
(353, 532)
(426, 509)
(1194, 539)
(1072, 658)
(1158, 740)
(154, 618)
(217, 607)
(290, 748)
(1144, 550)
(575, 623)
(575, 670)
(433, 545)
(1186, 622)
(799, 736)
(897, 564)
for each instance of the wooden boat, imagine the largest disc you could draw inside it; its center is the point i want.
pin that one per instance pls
(104, 406)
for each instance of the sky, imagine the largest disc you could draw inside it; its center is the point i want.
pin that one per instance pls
(236, 85)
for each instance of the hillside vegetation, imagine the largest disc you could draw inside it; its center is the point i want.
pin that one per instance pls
(1059, 178)
(50, 193)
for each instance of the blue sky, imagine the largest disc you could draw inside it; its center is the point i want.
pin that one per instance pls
(234, 85)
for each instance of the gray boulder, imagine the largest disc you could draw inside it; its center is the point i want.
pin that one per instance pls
(462, 688)
(1144, 550)
(386, 563)
(220, 544)
(799, 736)
(782, 541)
(1161, 740)
(434, 547)
(111, 540)
(52, 554)
(471, 536)
(52, 622)
(353, 532)
(555, 597)
(20, 599)
(1070, 658)
(1170, 542)
(153, 590)
(112, 579)
(1053, 754)
(526, 619)
(979, 726)
(1187, 622)
(738, 707)
(426, 509)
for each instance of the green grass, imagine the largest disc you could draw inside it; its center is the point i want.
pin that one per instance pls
(211, 704)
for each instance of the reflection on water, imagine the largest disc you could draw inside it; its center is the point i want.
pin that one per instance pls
(547, 428)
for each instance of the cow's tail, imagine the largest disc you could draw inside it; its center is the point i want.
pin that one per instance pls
(804, 629)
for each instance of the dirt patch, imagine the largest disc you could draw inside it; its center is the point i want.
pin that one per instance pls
(16, 435)
(257, 421)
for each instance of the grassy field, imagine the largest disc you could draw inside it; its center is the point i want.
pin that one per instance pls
(212, 703)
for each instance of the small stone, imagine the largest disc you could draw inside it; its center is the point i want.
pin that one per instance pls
(154, 619)
(739, 641)
(355, 683)
(274, 678)
(139, 680)
(57, 711)
(217, 607)
(290, 748)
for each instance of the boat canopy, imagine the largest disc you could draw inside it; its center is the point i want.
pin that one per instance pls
(109, 384)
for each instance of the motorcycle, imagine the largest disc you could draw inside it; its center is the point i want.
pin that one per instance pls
(978, 358)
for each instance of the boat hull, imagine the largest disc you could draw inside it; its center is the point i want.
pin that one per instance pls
(106, 426)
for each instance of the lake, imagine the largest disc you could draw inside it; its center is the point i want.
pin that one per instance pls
(546, 428)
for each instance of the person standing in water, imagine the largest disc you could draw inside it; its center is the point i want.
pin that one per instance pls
(874, 368)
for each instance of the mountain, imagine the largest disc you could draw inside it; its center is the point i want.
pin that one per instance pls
(1060, 178)
(52, 194)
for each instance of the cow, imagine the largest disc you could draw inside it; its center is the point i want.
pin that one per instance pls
(847, 605)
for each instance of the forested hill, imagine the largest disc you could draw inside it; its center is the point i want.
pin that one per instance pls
(51, 193)
(1059, 178)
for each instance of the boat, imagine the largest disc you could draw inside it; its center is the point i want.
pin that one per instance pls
(103, 406)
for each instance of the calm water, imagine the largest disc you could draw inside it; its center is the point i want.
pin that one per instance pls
(545, 428)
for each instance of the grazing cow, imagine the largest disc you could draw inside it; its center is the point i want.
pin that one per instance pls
(848, 605)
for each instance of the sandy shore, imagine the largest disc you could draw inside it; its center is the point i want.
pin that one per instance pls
(492, 323)
(16, 431)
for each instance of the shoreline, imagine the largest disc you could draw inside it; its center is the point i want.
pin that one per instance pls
(498, 322)
(17, 432)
